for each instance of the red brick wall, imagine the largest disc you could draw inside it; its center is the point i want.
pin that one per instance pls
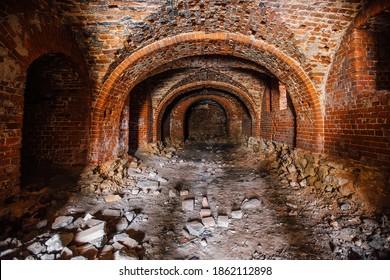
(276, 124)
(25, 37)
(358, 100)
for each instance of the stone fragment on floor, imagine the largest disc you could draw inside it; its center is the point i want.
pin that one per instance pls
(62, 221)
(195, 228)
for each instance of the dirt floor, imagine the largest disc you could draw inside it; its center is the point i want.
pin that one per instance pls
(257, 214)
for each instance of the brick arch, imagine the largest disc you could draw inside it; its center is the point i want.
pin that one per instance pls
(177, 92)
(136, 67)
(188, 101)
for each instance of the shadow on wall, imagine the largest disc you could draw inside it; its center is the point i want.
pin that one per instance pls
(56, 119)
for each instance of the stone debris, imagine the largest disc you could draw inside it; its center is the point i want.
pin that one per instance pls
(62, 221)
(130, 215)
(111, 212)
(208, 222)
(205, 203)
(205, 213)
(148, 185)
(88, 251)
(184, 193)
(253, 203)
(173, 193)
(135, 191)
(187, 205)
(92, 235)
(58, 241)
(223, 221)
(122, 224)
(66, 254)
(307, 190)
(126, 254)
(237, 214)
(195, 228)
(36, 248)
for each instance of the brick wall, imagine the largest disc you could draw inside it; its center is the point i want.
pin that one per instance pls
(277, 124)
(28, 31)
(358, 103)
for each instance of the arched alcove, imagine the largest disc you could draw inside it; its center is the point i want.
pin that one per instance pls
(55, 120)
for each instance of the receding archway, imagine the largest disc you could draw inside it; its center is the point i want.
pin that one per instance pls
(206, 120)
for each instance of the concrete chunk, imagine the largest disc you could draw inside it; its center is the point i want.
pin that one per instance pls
(237, 214)
(58, 241)
(251, 204)
(187, 205)
(208, 222)
(62, 221)
(92, 234)
(111, 212)
(223, 221)
(205, 213)
(195, 228)
(36, 248)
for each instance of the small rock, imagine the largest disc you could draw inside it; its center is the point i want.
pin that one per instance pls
(61, 222)
(291, 205)
(148, 185)
(130, 215)
(195, 228)
(152, 174)
(208, 222)
(112, 198)
(162, 180)
(376, 244)
(223, 221)
(92, 235)
(187, 205)
(48, 257)
(173, 193)
(111, 212)
(36, 248)
(205, 203)
(328, 189)
(205, 213)
(126, 240)
(121, 225)
(237, 214)
(135, 191)
(106, 253)
(87, 217)
(41, 224)
(203, 242)
(79, 258)
(88, 251)
(184, 193)
(58, 241)
(66, 254)
(251, 204)
(344, 207)
(125, 254)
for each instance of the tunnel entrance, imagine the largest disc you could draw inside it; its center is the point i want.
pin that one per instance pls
(206, 120)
